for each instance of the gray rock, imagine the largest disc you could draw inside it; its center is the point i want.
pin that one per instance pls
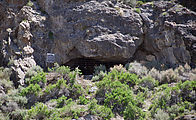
(169, 32)
(106, 31)
(93, 30)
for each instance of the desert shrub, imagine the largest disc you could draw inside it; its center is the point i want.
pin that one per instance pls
(31, 89)
(148, 82)
(169, 76)
(137, 69)
(71, 110)
(132, 3)
(161, 115)
(98, 77)
(133, 112)
(180, 70)
(39, 111)
(180, 96)
(5, 73)
(83, 100)
(39, 78)
(33, 71)
(76, 90)
(117, 94)
(100, 110)
(99, 68)
(63, 70)
(11, 104)
(154, 73)
(118, 68)
(5, 85)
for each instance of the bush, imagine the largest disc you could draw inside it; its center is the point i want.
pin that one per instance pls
(5, 73)
(161, 115)
(99, 68)
(148, 82)
(137, 69)
(99, 110)
(39, 78)
(32, 89)
(117, 94)
(63, 70)
(83, 100)
(133, 112)
(169, 76)
(98, 77)
(39, 111)
(33, 71)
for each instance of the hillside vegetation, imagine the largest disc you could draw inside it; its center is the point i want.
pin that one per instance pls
(130, 92)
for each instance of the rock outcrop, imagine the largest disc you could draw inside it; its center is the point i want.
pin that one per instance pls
(16, 37)
(107, 31)
(169, 32)
(96, 30)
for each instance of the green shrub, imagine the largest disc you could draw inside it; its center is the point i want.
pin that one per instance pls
(30, 3)
(137, 10)
(39, 111)
(139, 3)
(98, 77)
(61, 101)
(83, 100)
(71, 110)
(133, 112)
(38, 78)
(117, 94)
(76, 91)
(31, 89)
(99, 110)
(63, 70)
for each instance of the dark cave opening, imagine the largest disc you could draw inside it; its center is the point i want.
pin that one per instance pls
(87, 65)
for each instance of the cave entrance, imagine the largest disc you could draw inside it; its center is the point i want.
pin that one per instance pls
(87, 65)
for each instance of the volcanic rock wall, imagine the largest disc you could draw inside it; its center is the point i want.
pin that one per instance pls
(106, 31)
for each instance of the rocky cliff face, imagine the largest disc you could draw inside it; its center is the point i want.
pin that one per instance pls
(106, 31)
